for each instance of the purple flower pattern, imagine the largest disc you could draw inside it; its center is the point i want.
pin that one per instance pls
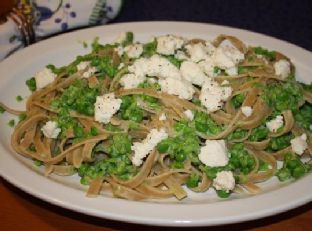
(67, 13)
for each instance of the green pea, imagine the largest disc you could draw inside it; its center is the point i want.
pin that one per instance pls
(94, 131)
(163, 147)
(31, 84)
(2, 110)
(201, 127)
(181, 156)
(223, 193)
(298, 172)
(283, 174)
(136, 116)
(84, 181)
(19, 98)
(178, 165)
(11, 123)
(193, 180)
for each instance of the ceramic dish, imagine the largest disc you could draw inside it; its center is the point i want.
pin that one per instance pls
(199, 209)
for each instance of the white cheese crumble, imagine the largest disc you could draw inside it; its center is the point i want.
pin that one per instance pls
(299, 144)
(224, 181)
(208, 66)
(226, 57)
(262, 58)
(151, 80)
(189, 114)
(212, 95)
(180, 55)
(183, 89)
(162, 117)
(274, 124)
(86, 69)
(105, 107)
(214, 153)
(282, 68)
(231, 71)
(51, 130)
(168, 44)
(225, 82)
(209, 48)
(121, 65)
(129, 81)
(247, 110)
(83, 65)
(162, 68)
(139, 67)
(134, 50)
(200, 51)
(154, 66)
(192, 72)
(142, 149)
(44, 77)
(120, 50)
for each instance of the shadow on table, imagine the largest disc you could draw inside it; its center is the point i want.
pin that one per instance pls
(95, 222)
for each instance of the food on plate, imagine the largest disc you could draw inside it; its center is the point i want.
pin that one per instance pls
(156, 119)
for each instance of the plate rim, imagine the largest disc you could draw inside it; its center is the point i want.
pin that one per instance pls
(146, 205)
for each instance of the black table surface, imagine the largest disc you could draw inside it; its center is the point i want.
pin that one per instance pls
(289, 20)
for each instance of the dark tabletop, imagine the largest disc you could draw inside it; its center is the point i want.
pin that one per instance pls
(289, 20)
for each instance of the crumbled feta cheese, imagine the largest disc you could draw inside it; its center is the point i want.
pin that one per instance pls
(88, 73)
(226, 57)
(86, 69)
(51, 130)
(200, 51)
(180, 55)
(105, 107)
(274, 124)
(208, 67)
(183, 89)
(213, 95)
(142, 149)
(224, 181)
(282, 68)
(83, 65)
(189, 114)
(120, 50)
(162, 68)
(168, 44)
(299, 144)
(121, 65)
(134, 50)
(192, 72)
(44, 77)
(247, 111)
(262, 58)
(162, 117)
(139, 67)
(129, 81)
(154, 66)
(210, 48)
(231, 71)
(225, 82)
(151, 80)
(214, 153)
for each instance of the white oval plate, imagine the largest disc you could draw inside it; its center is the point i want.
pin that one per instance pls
(199, 209)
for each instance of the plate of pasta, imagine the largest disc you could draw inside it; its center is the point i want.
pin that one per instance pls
(163, 123)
